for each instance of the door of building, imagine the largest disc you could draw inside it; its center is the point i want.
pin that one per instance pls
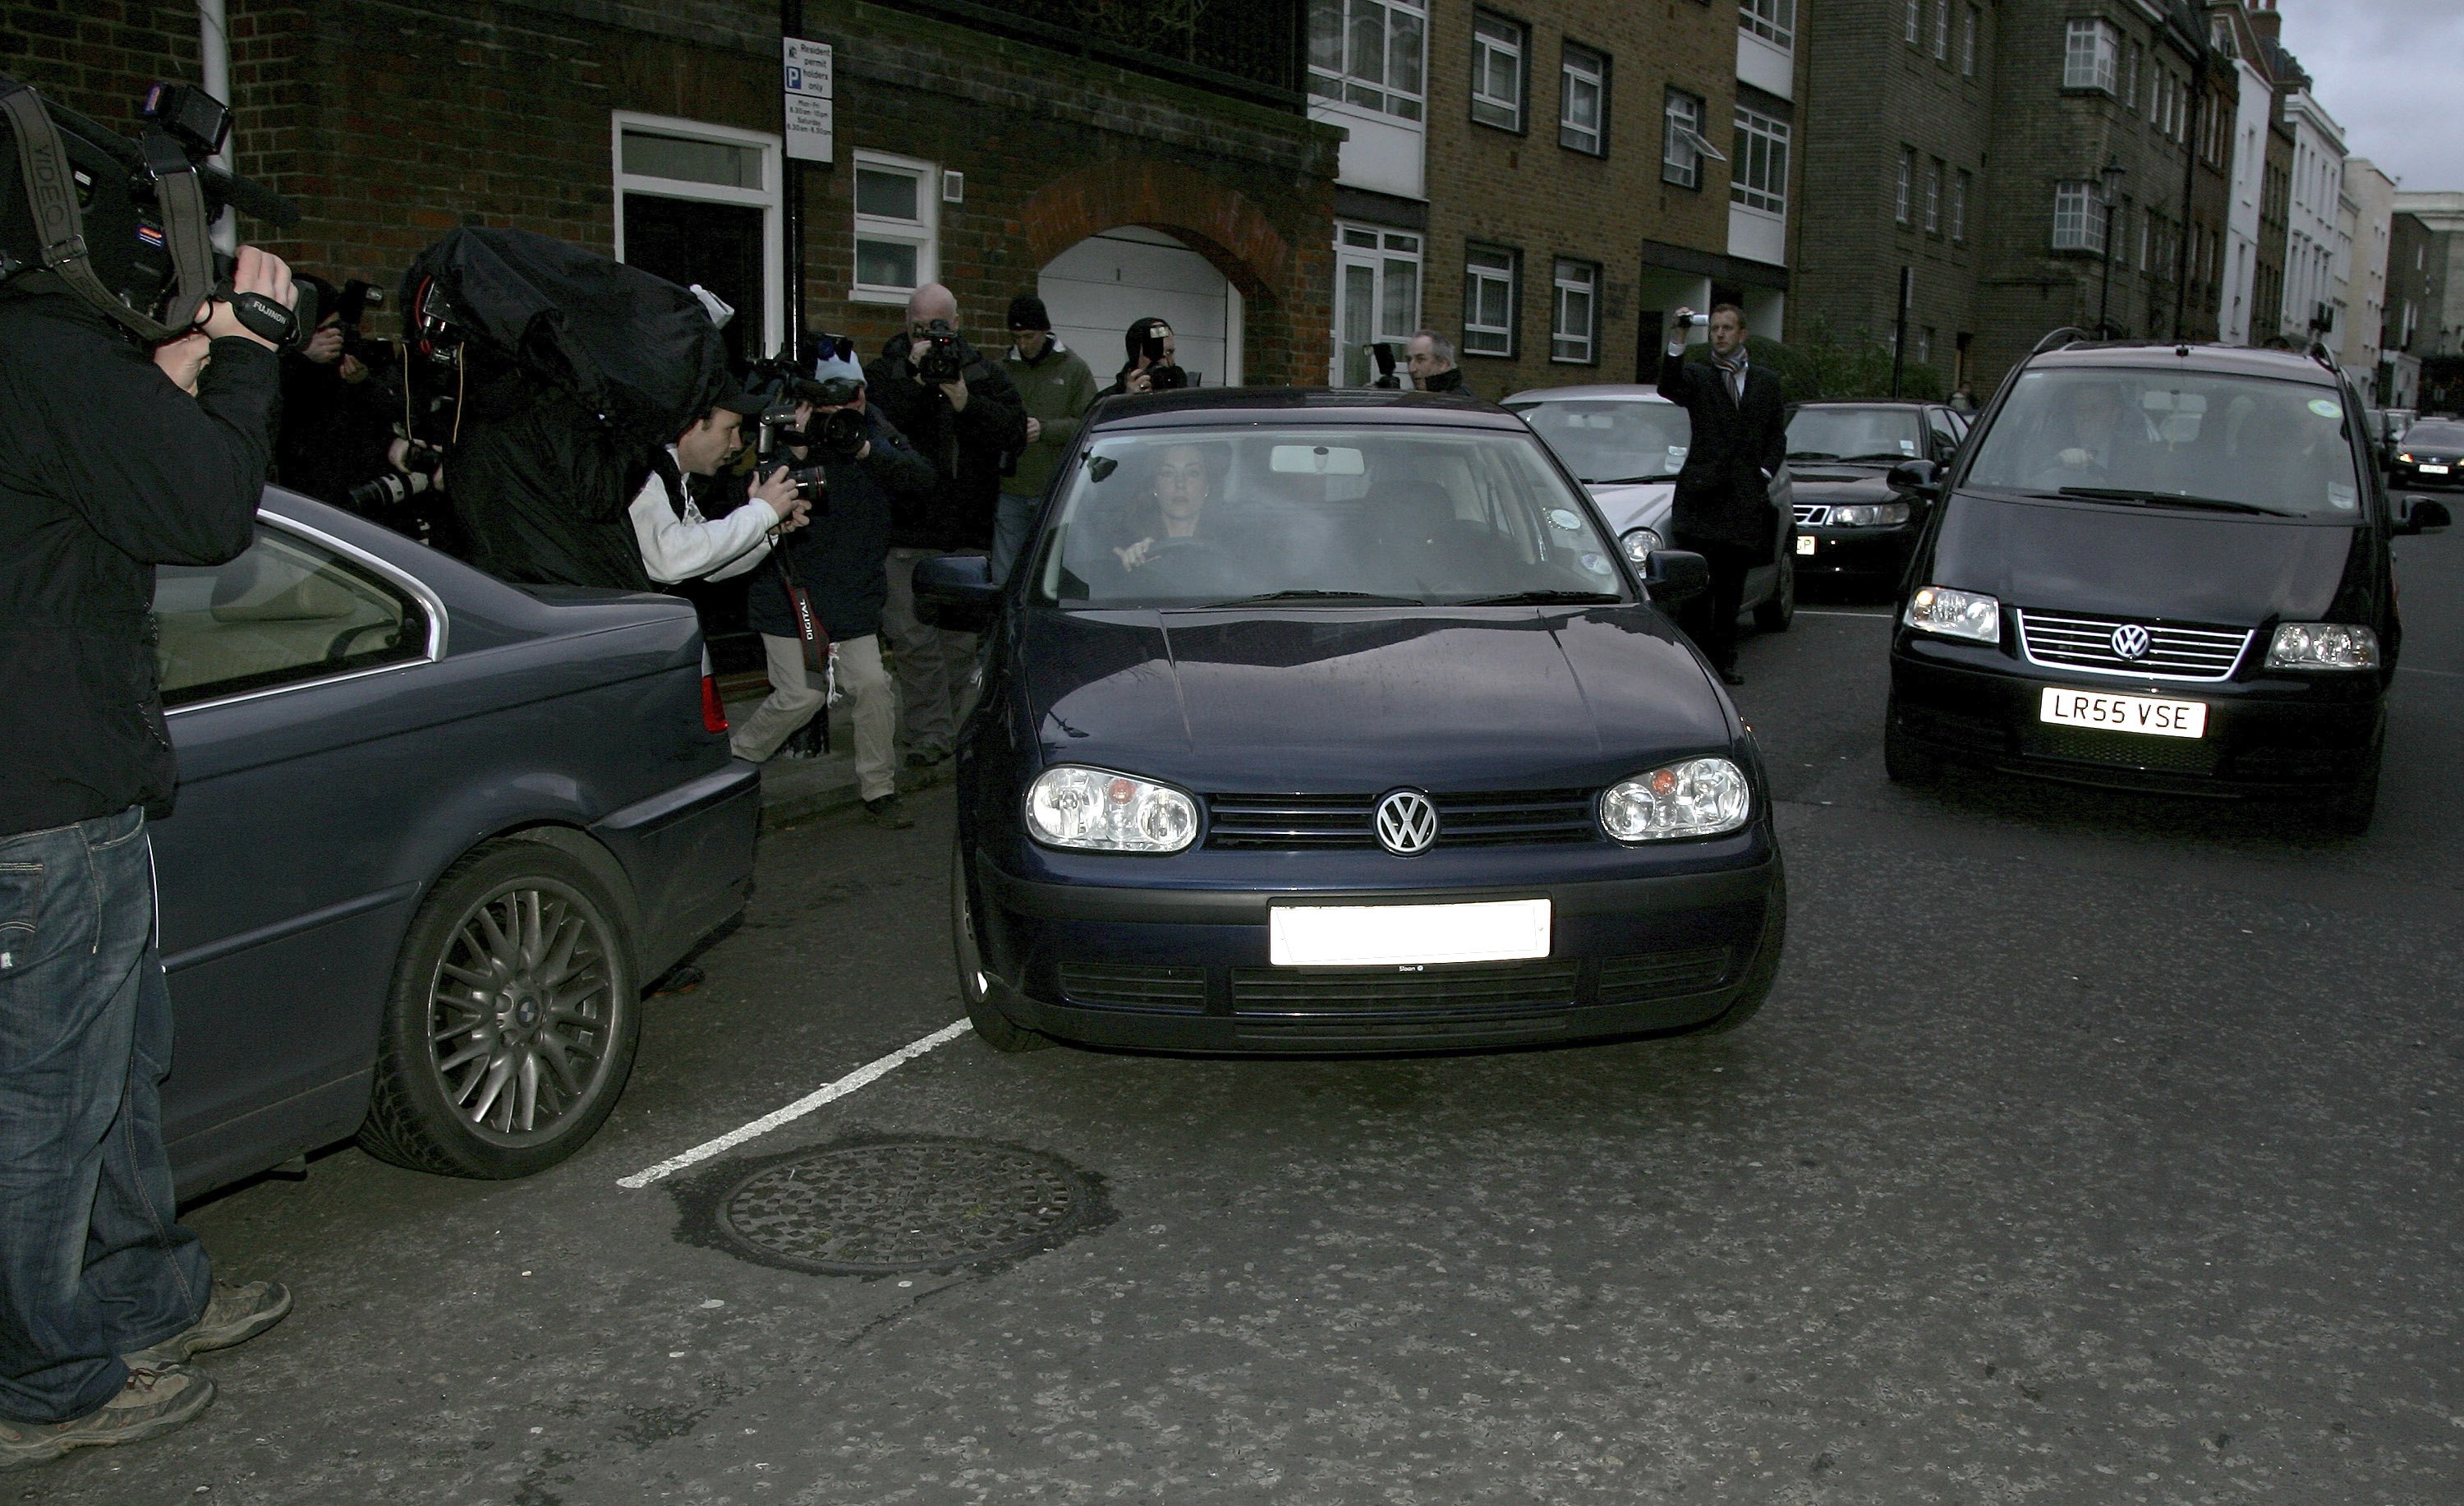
(717, 245)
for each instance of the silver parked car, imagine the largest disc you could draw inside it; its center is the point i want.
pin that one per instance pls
(1626, 444)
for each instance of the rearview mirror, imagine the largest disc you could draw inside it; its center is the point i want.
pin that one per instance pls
(1676, 574)
(1924, 477)
(2423, 515)
(957, 591)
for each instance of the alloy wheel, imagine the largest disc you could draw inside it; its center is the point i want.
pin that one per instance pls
(519, 1013)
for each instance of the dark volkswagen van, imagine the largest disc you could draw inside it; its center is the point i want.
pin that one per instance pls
(2162, 566)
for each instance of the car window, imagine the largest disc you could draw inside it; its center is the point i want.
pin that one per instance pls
(1855, 433)
(1606, 440)
(1195, 517)
(287, 610)
(2259, 441)
(2431, 432)
(1944, 433)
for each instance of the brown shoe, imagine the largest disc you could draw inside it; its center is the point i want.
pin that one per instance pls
(237, 1313)
(154, 1400)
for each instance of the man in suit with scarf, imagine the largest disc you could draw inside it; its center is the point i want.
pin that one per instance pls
(1723, 507)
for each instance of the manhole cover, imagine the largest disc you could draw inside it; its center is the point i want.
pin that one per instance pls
(910, 1205)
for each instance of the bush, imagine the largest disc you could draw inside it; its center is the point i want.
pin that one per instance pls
(1859, 366)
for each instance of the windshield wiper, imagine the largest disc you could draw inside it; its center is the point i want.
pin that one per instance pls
(1812, 454)
(2218, 504)
(1880, 457)
(1620, 480)
(1543, 599)
(1371, 597)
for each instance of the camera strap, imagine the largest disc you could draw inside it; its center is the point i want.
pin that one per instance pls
(50, 199)
(810, 631)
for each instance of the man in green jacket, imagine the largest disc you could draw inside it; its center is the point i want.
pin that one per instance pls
(1058, 390)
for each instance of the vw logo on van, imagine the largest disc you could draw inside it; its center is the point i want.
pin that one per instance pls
(2130, 641)
(1407, 823)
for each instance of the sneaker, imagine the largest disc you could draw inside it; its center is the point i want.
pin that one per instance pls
(886, 811)
(155, 1400)
(237, 1313)
(926, 758)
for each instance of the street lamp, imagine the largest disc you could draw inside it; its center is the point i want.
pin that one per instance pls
(2113, 172)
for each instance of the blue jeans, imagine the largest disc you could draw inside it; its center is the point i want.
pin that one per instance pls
(92, 1261)
(1012, 520)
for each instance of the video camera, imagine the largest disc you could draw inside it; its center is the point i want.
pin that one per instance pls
(945, 355)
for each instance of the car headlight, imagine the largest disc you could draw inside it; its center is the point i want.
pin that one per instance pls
(2405, 457)
(1069, 806)
(1959, 614)
(2323, 646)
(1870, 515)
(1639, 542)
(1699, 797)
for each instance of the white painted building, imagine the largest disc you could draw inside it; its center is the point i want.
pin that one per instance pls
(2310, 249)
(2238, 304)
(1368, 73)
(2371, 195)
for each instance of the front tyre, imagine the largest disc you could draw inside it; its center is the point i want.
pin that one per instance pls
(513, 1020)
(1775, 615)
(997, 1030)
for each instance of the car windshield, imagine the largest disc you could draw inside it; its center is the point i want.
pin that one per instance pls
(2257, 444)
(2444, 435)
(1333, 514)
(1612, 439)
(1855, 434)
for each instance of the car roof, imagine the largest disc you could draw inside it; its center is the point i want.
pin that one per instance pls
(2284, 365)
(1229, 406)
(1866, 402)
(1613, 391)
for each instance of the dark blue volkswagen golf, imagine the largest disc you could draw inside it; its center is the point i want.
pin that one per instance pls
(1333, 722)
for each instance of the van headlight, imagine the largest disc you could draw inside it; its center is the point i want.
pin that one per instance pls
(1699, 797)
(1103, 812)
(1870, 515)
(1957, 614)
(2323, 646)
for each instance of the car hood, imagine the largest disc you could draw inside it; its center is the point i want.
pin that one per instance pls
(1360, 701)
(2222, 568)
(1831, 485)
(1636, 504)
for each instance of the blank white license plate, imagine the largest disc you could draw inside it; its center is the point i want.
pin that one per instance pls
(2433, 469)
(1407, 934)
(1805, 543)
(2145, 713)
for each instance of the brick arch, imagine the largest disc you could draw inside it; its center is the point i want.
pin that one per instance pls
(1217, 222)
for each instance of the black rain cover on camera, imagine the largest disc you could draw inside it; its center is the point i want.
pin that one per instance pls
(623, 341)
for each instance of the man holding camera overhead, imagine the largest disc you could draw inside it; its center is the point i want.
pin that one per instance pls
(1723, 506)
(867, 467)
(965, 419)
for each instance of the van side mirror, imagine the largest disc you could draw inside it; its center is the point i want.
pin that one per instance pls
(1923, 477)
(957, 591)
(2423, 515)
(1676, 574)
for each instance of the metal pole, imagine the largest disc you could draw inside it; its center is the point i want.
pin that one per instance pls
(1899, 335)
(791, 209)
(214, 76)
(2104, 297)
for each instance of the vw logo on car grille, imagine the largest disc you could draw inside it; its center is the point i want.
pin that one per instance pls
(1407, 823)
(2130, 641)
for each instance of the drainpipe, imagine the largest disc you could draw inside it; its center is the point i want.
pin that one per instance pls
(213, 54)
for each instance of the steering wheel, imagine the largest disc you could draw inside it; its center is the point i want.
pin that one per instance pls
(1190, 562)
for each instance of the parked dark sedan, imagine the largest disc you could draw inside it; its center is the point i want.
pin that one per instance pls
(2162, 566)
(433, 836)
(1337, 722)
(2430, 453)
(1851, 522)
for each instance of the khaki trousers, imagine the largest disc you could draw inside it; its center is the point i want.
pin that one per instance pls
(797, 695)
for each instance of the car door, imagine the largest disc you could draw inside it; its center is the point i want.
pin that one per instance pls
(281, 913)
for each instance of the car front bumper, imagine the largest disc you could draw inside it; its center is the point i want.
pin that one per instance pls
(1875, 552)
(1188, 968)
(2271, 736)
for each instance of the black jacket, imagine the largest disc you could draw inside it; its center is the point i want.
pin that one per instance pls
(1450, 379)
(540, 488)
(967, 450)
(838, 556)
(334, 433)
(1724, 492)
(106, 471)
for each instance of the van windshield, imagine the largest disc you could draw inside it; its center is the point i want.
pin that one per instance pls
(2262, 444)
(1328, 513)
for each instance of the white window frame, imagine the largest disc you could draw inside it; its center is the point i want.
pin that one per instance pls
(1942, 30)
(1758, 174)
(1495, 39)
(2091, 54)
(1774, 21)
(766, 198)
(1504, 270)
(1959, 181)
(1967, 43)
(1573, 280)
(1378, 250)
(1933, 196)
(924, 233)
(1684, 136)
(2079, 219)
(1579, 68)
(1904, 191)
(1405, 101)
(1914, 27)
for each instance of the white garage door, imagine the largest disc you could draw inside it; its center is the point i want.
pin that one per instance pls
(1096, 287)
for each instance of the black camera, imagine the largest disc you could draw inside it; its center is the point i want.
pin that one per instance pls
(390, 491)
(1160, 377)
(838, 435)
(945, 356)
(807, 479)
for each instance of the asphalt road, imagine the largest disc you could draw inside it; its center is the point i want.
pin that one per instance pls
(2092, 1149)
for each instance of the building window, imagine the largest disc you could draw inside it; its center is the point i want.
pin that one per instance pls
(1583, 102)
(1683, 146)
(1968, 42)
(1914, 21)
(1368, 53)
(1934, 197)
(1906, 186)
(1575, 328)
(895, 214)
(1758, 179)
(2089, 54)
(1924, 345)
(2078, 221)
(2130, 80)
(1498, 47)
(1959, 205)
(1378, 296)
(1489, 301)
(700, 203)
(1774, 21)
(1942, 30)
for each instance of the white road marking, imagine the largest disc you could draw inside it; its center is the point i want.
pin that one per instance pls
(2407, 669)
(1808, 611)
(868, 1073)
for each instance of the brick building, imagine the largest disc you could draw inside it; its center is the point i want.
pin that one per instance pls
(1123, 159)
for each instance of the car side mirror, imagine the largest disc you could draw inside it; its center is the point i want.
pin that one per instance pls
(2423, 515)
(1924, 477)
(955, 591)
(1676, 574)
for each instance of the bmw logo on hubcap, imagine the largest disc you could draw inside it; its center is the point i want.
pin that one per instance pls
(1407, 823)
(2130, 641)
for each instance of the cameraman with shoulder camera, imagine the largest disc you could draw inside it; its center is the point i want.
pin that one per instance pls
(109, 468)
(965, 418)
(867, 468)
